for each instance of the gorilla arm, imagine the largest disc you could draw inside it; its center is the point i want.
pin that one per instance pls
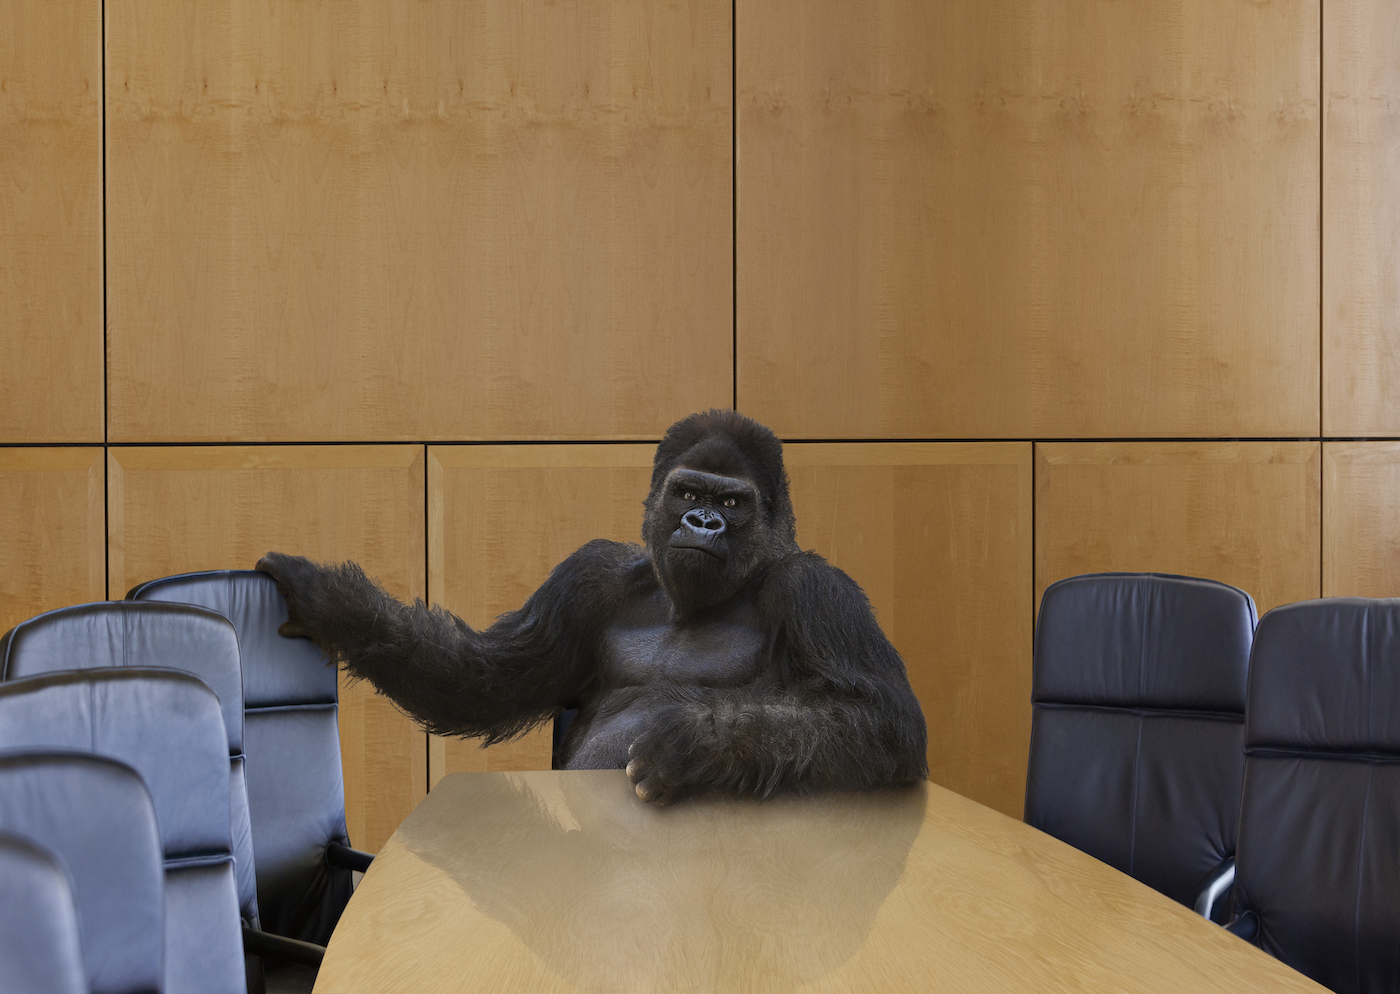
(454, 680)
(837, 711)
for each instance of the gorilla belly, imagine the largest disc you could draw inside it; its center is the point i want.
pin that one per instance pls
(643, 666)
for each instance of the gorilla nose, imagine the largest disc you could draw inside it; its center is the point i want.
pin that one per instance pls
(705, 522)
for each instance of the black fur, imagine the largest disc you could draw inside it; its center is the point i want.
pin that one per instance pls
(718, 657)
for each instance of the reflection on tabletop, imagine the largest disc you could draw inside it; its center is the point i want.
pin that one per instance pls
(599, 887)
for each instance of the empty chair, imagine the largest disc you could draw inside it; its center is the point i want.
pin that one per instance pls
(167, 726)
(295, 789)
(39, 949)
(94, 818)
(181, 637)
(1137, 729)
(1318, 875)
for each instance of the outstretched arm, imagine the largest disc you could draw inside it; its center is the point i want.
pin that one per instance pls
(837, 711)
(453, 679)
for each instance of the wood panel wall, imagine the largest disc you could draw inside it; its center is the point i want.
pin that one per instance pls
(51, 248)
(1001, 218)
(53, 537)
(1030, 289)
(439, 220)
(1361, 219)
(1246, 513)
(939, 535)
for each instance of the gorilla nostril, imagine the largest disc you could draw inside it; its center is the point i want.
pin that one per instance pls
(701, 521)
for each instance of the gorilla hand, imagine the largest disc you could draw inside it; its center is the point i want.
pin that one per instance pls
(676, 756)
(302, 583)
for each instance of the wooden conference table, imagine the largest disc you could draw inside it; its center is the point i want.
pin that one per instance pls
(565, 881)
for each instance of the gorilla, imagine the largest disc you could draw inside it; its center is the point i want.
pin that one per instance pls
(717, 658)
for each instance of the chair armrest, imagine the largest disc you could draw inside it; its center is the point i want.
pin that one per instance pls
(1216, 887)
(346, 858)
(257, 943)
(1246, 926)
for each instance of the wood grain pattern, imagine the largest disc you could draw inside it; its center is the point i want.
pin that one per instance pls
(51, 530)
(1361, 519)
(1016, 218)
(174, 509)
(939, 536)
(1361, 218)
(453, 220)
(564, 881)
(1245, 513)
(50, 221)
(500, 517)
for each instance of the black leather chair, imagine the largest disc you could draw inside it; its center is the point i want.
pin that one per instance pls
(167, 726)
(95, 818)
(1318, 875)
(1137, 728)
(114, 633)
(295, 788)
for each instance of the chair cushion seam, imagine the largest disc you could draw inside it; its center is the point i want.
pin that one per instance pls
(1235, 717)
(1323, 754)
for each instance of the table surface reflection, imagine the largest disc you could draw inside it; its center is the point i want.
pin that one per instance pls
(565, 881)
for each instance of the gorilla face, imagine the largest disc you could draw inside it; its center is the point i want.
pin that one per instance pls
(710, 523)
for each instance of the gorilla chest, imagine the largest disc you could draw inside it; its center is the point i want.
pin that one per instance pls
(721, 653)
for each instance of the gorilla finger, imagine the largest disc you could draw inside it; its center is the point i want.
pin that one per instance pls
(651, 788)
(276, 565)
(662, 796)
(636, 770)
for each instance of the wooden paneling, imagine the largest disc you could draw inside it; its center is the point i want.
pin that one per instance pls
(50, 221)
(51, 531)
(456, 219)
(1017, 218)
(500, 517)
(939, 536)
(1361, 218)
(1245, 513)
(1361, 519)
(177, 509)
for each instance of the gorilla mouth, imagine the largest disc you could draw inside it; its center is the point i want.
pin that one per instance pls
(688, 544)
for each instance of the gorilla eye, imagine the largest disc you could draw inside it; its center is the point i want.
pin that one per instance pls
(688, 496)
(731, 502)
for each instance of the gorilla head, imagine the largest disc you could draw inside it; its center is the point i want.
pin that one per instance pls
(718, 510)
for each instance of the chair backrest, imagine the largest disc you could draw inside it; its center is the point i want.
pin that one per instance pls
(39, 948)
(1137, 729)
(95, 819)
(1319, 859)
(180, 637)
(296, 793)
(167, 726)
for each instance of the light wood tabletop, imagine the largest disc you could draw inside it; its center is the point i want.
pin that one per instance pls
(565, 881)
